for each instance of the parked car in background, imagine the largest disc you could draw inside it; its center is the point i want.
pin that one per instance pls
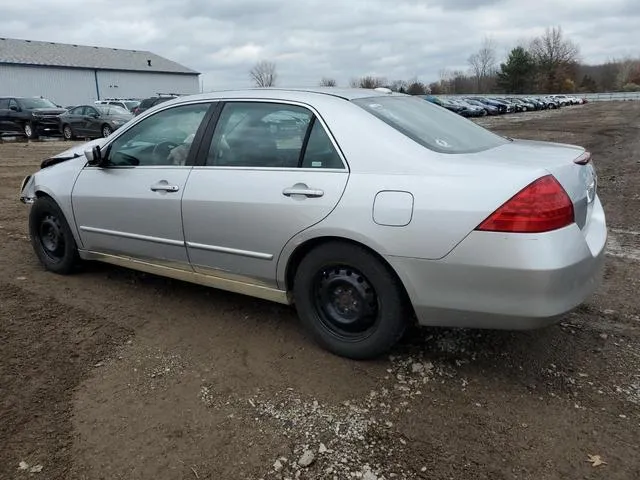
(564, 100)
(469, 109)
(551, 102)
(537, 103)
(502, 108)
(129, 104)
(415, 214)
(92, 121)
(147, 103)
(31, 116)
(489, 109)
(444, 103)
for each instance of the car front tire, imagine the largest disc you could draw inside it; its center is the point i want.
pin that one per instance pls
(30, 131)
(51, 237)
(350, 301)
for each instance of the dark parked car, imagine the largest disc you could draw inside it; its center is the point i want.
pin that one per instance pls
(502, 107)
(147, 103)
(92, 121)
(30, 116)
(490, 109)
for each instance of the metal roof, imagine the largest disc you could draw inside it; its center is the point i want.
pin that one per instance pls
(31, 52)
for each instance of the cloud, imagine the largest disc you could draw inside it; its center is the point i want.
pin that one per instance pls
(309, 39)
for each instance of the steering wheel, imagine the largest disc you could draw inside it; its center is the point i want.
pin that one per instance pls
(162, 150)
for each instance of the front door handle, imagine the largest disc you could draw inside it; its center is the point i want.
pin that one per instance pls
(163, 186)
(302, 189)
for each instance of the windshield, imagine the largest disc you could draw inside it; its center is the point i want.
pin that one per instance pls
(132, 104)
(30, 103)
(431, 126)
(112, 110)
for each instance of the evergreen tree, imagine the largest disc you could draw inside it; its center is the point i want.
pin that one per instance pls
(517, 74)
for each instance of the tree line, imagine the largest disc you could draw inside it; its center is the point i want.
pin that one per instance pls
(546, 64)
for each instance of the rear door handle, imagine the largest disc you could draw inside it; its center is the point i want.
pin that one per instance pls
(302, 190)
(164, 187)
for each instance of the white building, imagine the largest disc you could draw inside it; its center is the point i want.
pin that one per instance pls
(73, 74)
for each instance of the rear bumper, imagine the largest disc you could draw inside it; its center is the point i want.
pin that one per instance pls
(507, 281)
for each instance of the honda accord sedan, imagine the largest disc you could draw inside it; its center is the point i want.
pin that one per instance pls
(367, 210)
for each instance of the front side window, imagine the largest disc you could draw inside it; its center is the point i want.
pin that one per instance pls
(431, 126)
(253, 134)
(13, 103)
(161, 139)
(4, 103)
(77, 111)
(90, 111)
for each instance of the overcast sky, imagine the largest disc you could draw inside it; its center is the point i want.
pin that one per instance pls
(308, 39)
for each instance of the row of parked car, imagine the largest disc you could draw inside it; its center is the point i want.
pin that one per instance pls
(479, 106)
(36, 116)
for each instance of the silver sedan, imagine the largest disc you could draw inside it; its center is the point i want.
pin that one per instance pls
(366, 209)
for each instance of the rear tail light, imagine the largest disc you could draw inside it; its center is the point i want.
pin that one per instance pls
(541, 206)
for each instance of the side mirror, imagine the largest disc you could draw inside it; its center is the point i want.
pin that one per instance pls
(94, 156)
(14, 108)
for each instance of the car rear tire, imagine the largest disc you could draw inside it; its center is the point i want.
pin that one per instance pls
(352, 303)
(51, 237)
(106, 131)
(67, 132)
(30, 131)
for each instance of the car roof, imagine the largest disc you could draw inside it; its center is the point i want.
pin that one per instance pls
(299, 94)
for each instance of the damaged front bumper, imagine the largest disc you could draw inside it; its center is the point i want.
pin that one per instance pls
(27, 190)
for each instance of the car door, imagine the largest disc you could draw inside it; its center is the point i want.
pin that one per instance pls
(15, 115)
(75, 119)
(270, 170)
(4, 115)
(131, 206)
(91, 122)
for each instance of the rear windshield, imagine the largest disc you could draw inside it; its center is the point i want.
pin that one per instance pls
(112, 110)
(429, 125)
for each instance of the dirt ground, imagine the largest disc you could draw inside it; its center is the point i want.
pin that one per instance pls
(112, 374)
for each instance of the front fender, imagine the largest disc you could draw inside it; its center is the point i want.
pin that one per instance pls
(57, 182)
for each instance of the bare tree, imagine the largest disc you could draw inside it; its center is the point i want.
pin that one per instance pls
(263, 74)
(416, 87)
(328, 82)
(628, 69)
(483, 63)
(367, 82)
(399, 86)
(554, 56)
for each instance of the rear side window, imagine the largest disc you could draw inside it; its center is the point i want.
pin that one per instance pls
(4, 103)
(431, 126)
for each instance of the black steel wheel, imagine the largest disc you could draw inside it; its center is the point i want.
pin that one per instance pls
(51, 237)
(345, 301)
(349, 300)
